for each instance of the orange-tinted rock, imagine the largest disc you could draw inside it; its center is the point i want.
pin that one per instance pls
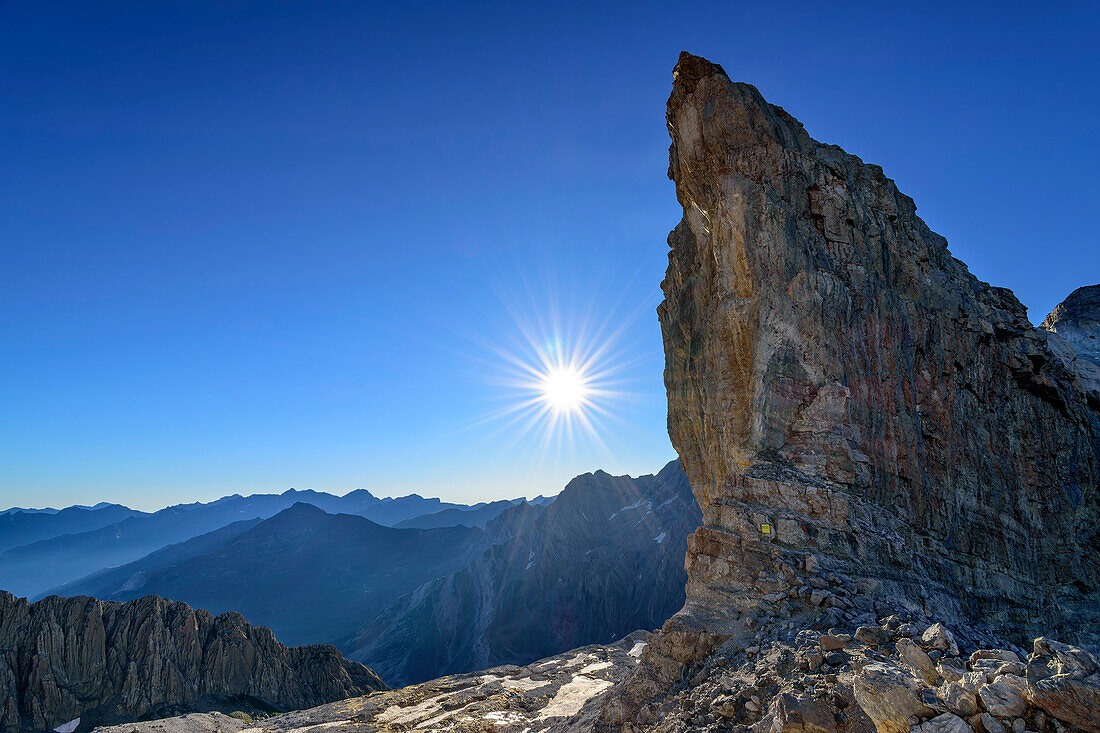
(846, 397)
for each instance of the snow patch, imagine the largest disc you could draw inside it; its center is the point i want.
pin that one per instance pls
(636, 650)
(572, 696)
(504, 717)
(525, 683)
(410, 715)
(660, 538)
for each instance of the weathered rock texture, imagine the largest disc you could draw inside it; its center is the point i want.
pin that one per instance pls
(105, 662)
(862, 421)
(560, 694)
(1076, 320)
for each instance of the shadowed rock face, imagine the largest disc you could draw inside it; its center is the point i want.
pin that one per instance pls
(604, 559)
(852, 406)
(63, 658)
(1077, 320)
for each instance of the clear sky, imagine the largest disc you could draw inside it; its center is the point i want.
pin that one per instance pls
(249, 246)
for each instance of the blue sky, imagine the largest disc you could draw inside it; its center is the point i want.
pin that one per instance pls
(254, 245)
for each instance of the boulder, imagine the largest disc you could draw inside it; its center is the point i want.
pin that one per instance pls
(945, 723)
(803, 714)
(1063, 682)
(959, 700)
(1004, 697)
(939, 638)
(917, 660)
(871, 635)
(889, 697)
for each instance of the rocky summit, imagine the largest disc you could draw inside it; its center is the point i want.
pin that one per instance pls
(1077, 320)
(868, 429)
(106, 662)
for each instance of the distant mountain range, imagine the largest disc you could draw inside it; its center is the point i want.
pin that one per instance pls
(41, 549)
(309, 576)
(413, 587)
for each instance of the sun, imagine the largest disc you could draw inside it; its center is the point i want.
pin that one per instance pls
(564, 389)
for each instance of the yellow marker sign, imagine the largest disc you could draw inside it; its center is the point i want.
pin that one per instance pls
(765, 529)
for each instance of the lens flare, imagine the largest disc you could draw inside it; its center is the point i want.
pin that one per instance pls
(565, 389)
(564, 373)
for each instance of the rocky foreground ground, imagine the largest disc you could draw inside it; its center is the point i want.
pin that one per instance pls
(893, 677)
(558, 694)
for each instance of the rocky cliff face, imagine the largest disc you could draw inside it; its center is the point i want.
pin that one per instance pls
(866, 426)
(1077, 320)
(64, 658)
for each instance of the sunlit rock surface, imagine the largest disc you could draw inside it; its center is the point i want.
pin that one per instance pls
(866, 426)
(558, 694)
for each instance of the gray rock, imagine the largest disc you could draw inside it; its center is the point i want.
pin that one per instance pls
(108, 662)
(916, 659)
(871, 635)
(1004, 697)
(1062, 682)
(889, 697)
(945, 723)
(939, 638)
(989, 724)
(959, 700)
(1077, 320)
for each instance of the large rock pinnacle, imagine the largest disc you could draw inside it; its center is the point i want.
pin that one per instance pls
(866, 426)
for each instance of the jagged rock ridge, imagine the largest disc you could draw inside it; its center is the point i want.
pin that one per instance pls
(105, 662)
(865, 425)
(1077, 320)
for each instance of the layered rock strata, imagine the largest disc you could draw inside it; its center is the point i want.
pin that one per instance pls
(104, 662)
(865, 425)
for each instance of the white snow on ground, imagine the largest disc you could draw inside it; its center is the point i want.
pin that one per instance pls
(572, 696)
(627, 509)
(411, 714)
(636, 650)
(525, 683)
(660, 538)
(504, 717)
(319, 726)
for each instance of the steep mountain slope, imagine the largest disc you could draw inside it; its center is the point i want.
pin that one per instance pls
(307, 575)
(32, 569)
(20, 527)
(64, 658)
(867, 427)
(604, 559)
